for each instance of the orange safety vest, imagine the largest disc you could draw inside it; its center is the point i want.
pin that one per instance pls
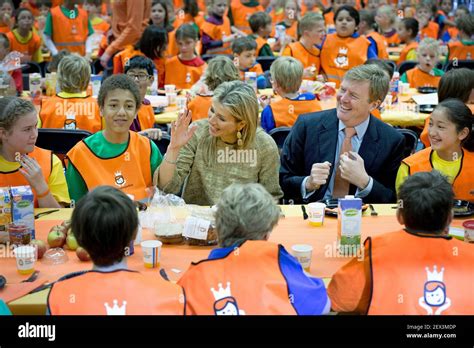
(34, 10)
(403, 54)
(381, 44)
(217, 32)
(200, 106)
(460, 51)
(306, 57)
(122, 292)
(146, 116)
(260, 43)
(242, 13)
(70, 34)
(431, 30)
(418, 78)
(329, 18)
(462, 184)
(160, 68)
(286, 111)
(256, 68)
(188, 19)
(15, 178)
(172, 49)
(121, 58)
(338, 55)
(71, 113)
(101, 27)
(247, 281)
(4, 29)
(434, 275)
(29, 48)
(392, 40)
(277, 15)
(130, 171)
(181, 75)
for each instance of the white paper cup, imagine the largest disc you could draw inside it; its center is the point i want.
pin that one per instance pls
(25, 259)
(151, 253)
(303, 253)
(171, 98)
(170, 89)
(181, 103)
(316, 213)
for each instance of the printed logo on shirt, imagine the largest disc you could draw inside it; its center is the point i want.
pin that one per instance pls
(342, 60)
(119, 179)
(434, 299)
(225, 304)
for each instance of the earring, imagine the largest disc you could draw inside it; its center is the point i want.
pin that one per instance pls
(239, 139)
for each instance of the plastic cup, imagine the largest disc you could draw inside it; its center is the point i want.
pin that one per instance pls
(170, 89)
(303, 253)
(468, 231)
(181, 103)
(316, 213)
(151, 253)
(25, 259)
(388, 101)
(404, 88)
(171, 98)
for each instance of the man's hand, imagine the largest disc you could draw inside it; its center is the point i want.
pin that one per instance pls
(318, 177)
(353, 170)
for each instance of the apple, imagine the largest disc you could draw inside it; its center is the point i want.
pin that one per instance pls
(82, 254)
(56, 238)
(66, 226)
(40, 247)
(71, 242)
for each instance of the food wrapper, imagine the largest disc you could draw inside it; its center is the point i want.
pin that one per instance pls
(308, 86)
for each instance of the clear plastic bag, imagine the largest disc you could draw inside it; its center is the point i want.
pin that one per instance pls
(200, 227)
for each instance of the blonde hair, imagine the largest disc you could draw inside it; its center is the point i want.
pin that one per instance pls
(220, 69)
(429, 44)
(74, 74)
(288, 73)
(308, 22)
(389, 11)
(378, 80)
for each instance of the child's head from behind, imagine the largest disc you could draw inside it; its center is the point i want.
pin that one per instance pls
(153, 42)
(287, 75)
(408, 29)
(312, 28)
(425, 202)
(218, 7)
(261, 23)
(74, 74)
(4, 46)
(428, 53)
(386, 16)
(140, 69)
(105, 221)
(24, 19)
(457, 83)
(220, 69)
(450, 127)
(244, 50)
(465, 25)
(186, 39)
(346, 20)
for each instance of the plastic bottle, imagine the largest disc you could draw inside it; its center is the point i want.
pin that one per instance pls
(251, 79)
(394, 86)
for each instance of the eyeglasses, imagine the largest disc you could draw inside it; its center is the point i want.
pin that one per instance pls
(139, 77)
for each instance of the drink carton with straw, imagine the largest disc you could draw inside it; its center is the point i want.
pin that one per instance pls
(23, 211)
(349, 225)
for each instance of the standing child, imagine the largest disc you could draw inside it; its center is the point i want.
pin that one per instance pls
(344, 49)
(464, 48)
(240, 11)
(6, 13)
(366, 27)
(186, 68)
(386, 20)
(261, 25)
(216, 33)
(425, 73)
(244, 50)
(407, 31)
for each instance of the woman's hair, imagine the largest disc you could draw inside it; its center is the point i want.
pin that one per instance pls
(120, 81)
(20, 11)
(104, 223)
(352, 12)
(241, 101)
(12, 108)
(411, 24)
(153, 42)
(245, 212)
(220, 69)
(166, 23)
(461, 116)
(456, 83)
(186, 31)
(74, 74)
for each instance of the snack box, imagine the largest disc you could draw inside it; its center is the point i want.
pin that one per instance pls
(23, 207)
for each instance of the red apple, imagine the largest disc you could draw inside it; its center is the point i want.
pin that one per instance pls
(66, 226)
(40, 247)
(56, 238)
(82, 254)
(71, 242)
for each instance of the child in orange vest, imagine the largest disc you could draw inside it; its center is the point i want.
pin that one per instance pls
(452, 148)
(425, 74)
(312, 32)
(240, 11)
(244, 50)
(445, 19)
(290, 20)
(6, 13)
(93, 8)
(24, 39)
(189, 14)
(105, 223)
(276, 10)
(450, 32)
(185, 69)
(16, 74)
(287, 75)
(21, 162)
(220, 69)
(407, 31)
(72, 107)
(385, 19)
(140, 69)
(346, 48)
(366, 28)
(313, 6)
(464, 48)
(261, 25)
(329, 13)
(428, 28)
(31, 5)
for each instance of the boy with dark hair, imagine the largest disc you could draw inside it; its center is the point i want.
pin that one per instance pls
(414, 271)
(366, 27)
(407, 32)
(261, 25)
(105, 222)
(244, 50)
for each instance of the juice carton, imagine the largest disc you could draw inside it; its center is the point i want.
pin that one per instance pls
(23, 207)
(5, 213)
(349, 225)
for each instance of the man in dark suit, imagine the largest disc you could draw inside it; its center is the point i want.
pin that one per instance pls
(346, 150)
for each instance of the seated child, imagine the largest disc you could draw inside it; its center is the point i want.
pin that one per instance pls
(240, 11)
(287, 74)
(216, 32)
(450, 31)
(375, 282)
(189, 14)
(6, 15)
(21, 162)
(105, 222)
(366, 27)
(55, 60)
(290, 20)
(464, 48)
(386, 20)
(312, 32)
(452, 149)
(244, 49)
(425, 73)
(16, 74)
(407, 32)
(261, 25)
(428, 28)
(219, 70)
(185, 69)
(445, 20)
(72, 107)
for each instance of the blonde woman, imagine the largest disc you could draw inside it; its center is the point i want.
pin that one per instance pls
(72, 107)
(227, 147)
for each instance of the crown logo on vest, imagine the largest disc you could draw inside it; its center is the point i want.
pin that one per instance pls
(225, 304)
(221, 292)
(116, 310)
(119, 179)
(342, 60)
(435, 275)
(434, 299)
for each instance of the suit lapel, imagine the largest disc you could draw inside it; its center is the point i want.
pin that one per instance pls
(369, 147)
